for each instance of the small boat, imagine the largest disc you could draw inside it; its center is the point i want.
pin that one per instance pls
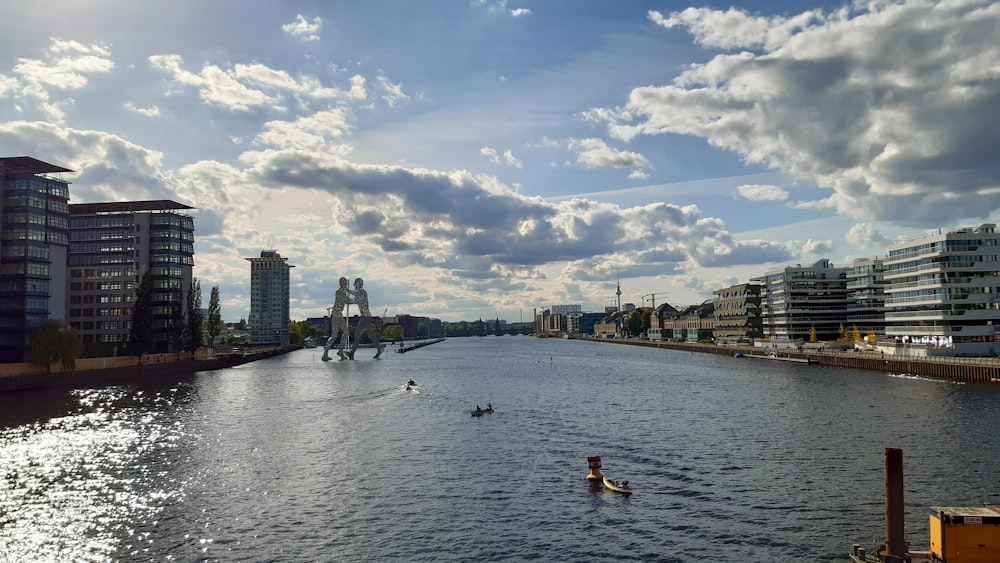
(481, 412)
(615, 487)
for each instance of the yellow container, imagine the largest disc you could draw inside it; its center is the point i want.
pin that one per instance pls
(965, 534)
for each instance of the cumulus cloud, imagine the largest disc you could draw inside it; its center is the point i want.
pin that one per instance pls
(891, 105)
(757, 192)
(64, 66)
(595, 153)
(304, 28)
(864, 235)
(518, 12)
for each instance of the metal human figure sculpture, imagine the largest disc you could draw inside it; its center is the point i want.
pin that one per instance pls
(338, 322)
(364, 319)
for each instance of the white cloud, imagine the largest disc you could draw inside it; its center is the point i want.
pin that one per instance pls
(257, 86)
(518, 12)
(864, 235)
(757, 192)
(65, 66)
(507, 158)
(595, 153)
(304, 28)
(891, 106)
(148, 112)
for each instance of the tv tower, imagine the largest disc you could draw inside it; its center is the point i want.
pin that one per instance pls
(619, 292)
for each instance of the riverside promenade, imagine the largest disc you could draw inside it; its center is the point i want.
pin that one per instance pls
(967, 369)
(101, 371)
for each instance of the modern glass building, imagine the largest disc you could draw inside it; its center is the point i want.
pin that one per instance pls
(111, 246)
(34, 221)
(943, 292)
(269, 296)
(797, 299)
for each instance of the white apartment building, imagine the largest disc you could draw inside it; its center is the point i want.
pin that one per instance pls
(269, 295)
(798, 299)
(943, 292)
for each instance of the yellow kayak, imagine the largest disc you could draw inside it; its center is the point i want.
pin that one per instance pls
(616, 488)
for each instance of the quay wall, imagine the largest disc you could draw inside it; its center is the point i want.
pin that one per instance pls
(972, 370)
(123, 369)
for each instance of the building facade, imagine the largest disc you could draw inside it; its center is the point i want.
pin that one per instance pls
(34, 222)
(269, 296)
(738, 314)
(796, 300)
(943, 292)
(112, 245)
(866, 287)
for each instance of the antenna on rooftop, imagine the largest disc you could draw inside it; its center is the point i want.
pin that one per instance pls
(270, 242)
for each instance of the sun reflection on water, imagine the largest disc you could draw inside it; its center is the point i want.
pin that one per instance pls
(72, 483)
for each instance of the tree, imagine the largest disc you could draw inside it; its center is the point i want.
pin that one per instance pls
(393, 332)
(213, 325)
(647, 316)
(843, 332)
(812, 334)
(141, 335)
(52, 341)
(295, 333)
(194, 325)
(176, 323)
(872, 338)
(635, 323)
(856, 334)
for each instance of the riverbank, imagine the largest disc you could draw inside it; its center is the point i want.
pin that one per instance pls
(104, 375)
(972, 370)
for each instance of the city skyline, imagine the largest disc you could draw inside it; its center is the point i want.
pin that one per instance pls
(480, 159)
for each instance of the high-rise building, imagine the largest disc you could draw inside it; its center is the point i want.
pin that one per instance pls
(269, 295)
(34, 221)
(943, 291)
(111, 246)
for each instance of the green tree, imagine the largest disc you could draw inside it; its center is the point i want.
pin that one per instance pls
(141, 334)
(647, 316)
(295, 333)
(51, 341)
(213, 325)
(393, 333)
(176, 323)
(635, 323)
(194, 327)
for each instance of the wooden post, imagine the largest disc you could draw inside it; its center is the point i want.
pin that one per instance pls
(895, 534)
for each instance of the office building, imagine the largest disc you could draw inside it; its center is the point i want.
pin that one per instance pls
(34, 210)
(269, 296)
(111, 246)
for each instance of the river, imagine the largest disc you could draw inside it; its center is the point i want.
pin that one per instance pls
(295, 459)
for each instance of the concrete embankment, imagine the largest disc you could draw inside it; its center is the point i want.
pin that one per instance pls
(404, 349)
(973, 370)
(90, 377)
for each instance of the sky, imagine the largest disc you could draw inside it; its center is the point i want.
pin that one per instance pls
(485, 158)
